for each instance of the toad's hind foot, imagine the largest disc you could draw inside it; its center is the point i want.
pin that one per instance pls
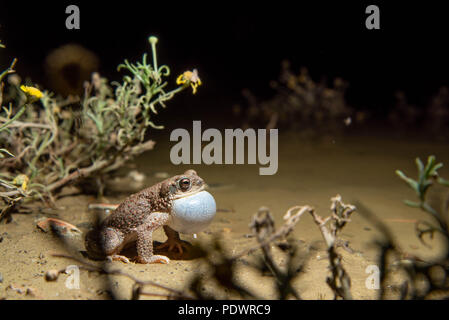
(154, 259)
(116, 257)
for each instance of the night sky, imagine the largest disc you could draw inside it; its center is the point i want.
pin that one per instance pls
(237, 44)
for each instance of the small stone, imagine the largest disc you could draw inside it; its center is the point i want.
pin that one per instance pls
(1, 278)
(31, 292)
(51, 275)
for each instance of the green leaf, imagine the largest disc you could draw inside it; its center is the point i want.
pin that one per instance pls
(429, 209)
(443, 182)
(419, 164)
(412, 183)
(430, 164)
(433, 171)
(151, 105)
(412, 204)
(5, 151)
(155, 126)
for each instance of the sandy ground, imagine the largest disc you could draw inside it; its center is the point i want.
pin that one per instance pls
(359, 169)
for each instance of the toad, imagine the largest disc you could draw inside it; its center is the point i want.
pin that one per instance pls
(178, 204)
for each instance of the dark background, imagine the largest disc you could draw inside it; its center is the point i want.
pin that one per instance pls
(236, 44)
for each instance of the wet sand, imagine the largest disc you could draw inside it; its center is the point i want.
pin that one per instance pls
(359, 168)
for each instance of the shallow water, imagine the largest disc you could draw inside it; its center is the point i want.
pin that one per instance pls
(358, 167)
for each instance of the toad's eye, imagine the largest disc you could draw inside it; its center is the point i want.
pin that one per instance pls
(184, 184)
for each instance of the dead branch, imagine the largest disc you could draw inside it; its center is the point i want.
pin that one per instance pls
(338, 281)
(284, 230)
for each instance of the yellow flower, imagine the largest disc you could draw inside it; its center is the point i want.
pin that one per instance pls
(32, 92)
(190, 77)
(22, 180)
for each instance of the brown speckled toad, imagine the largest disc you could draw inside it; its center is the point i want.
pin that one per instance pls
(138, 216)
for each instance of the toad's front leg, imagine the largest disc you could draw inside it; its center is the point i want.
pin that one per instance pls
(145, 238)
